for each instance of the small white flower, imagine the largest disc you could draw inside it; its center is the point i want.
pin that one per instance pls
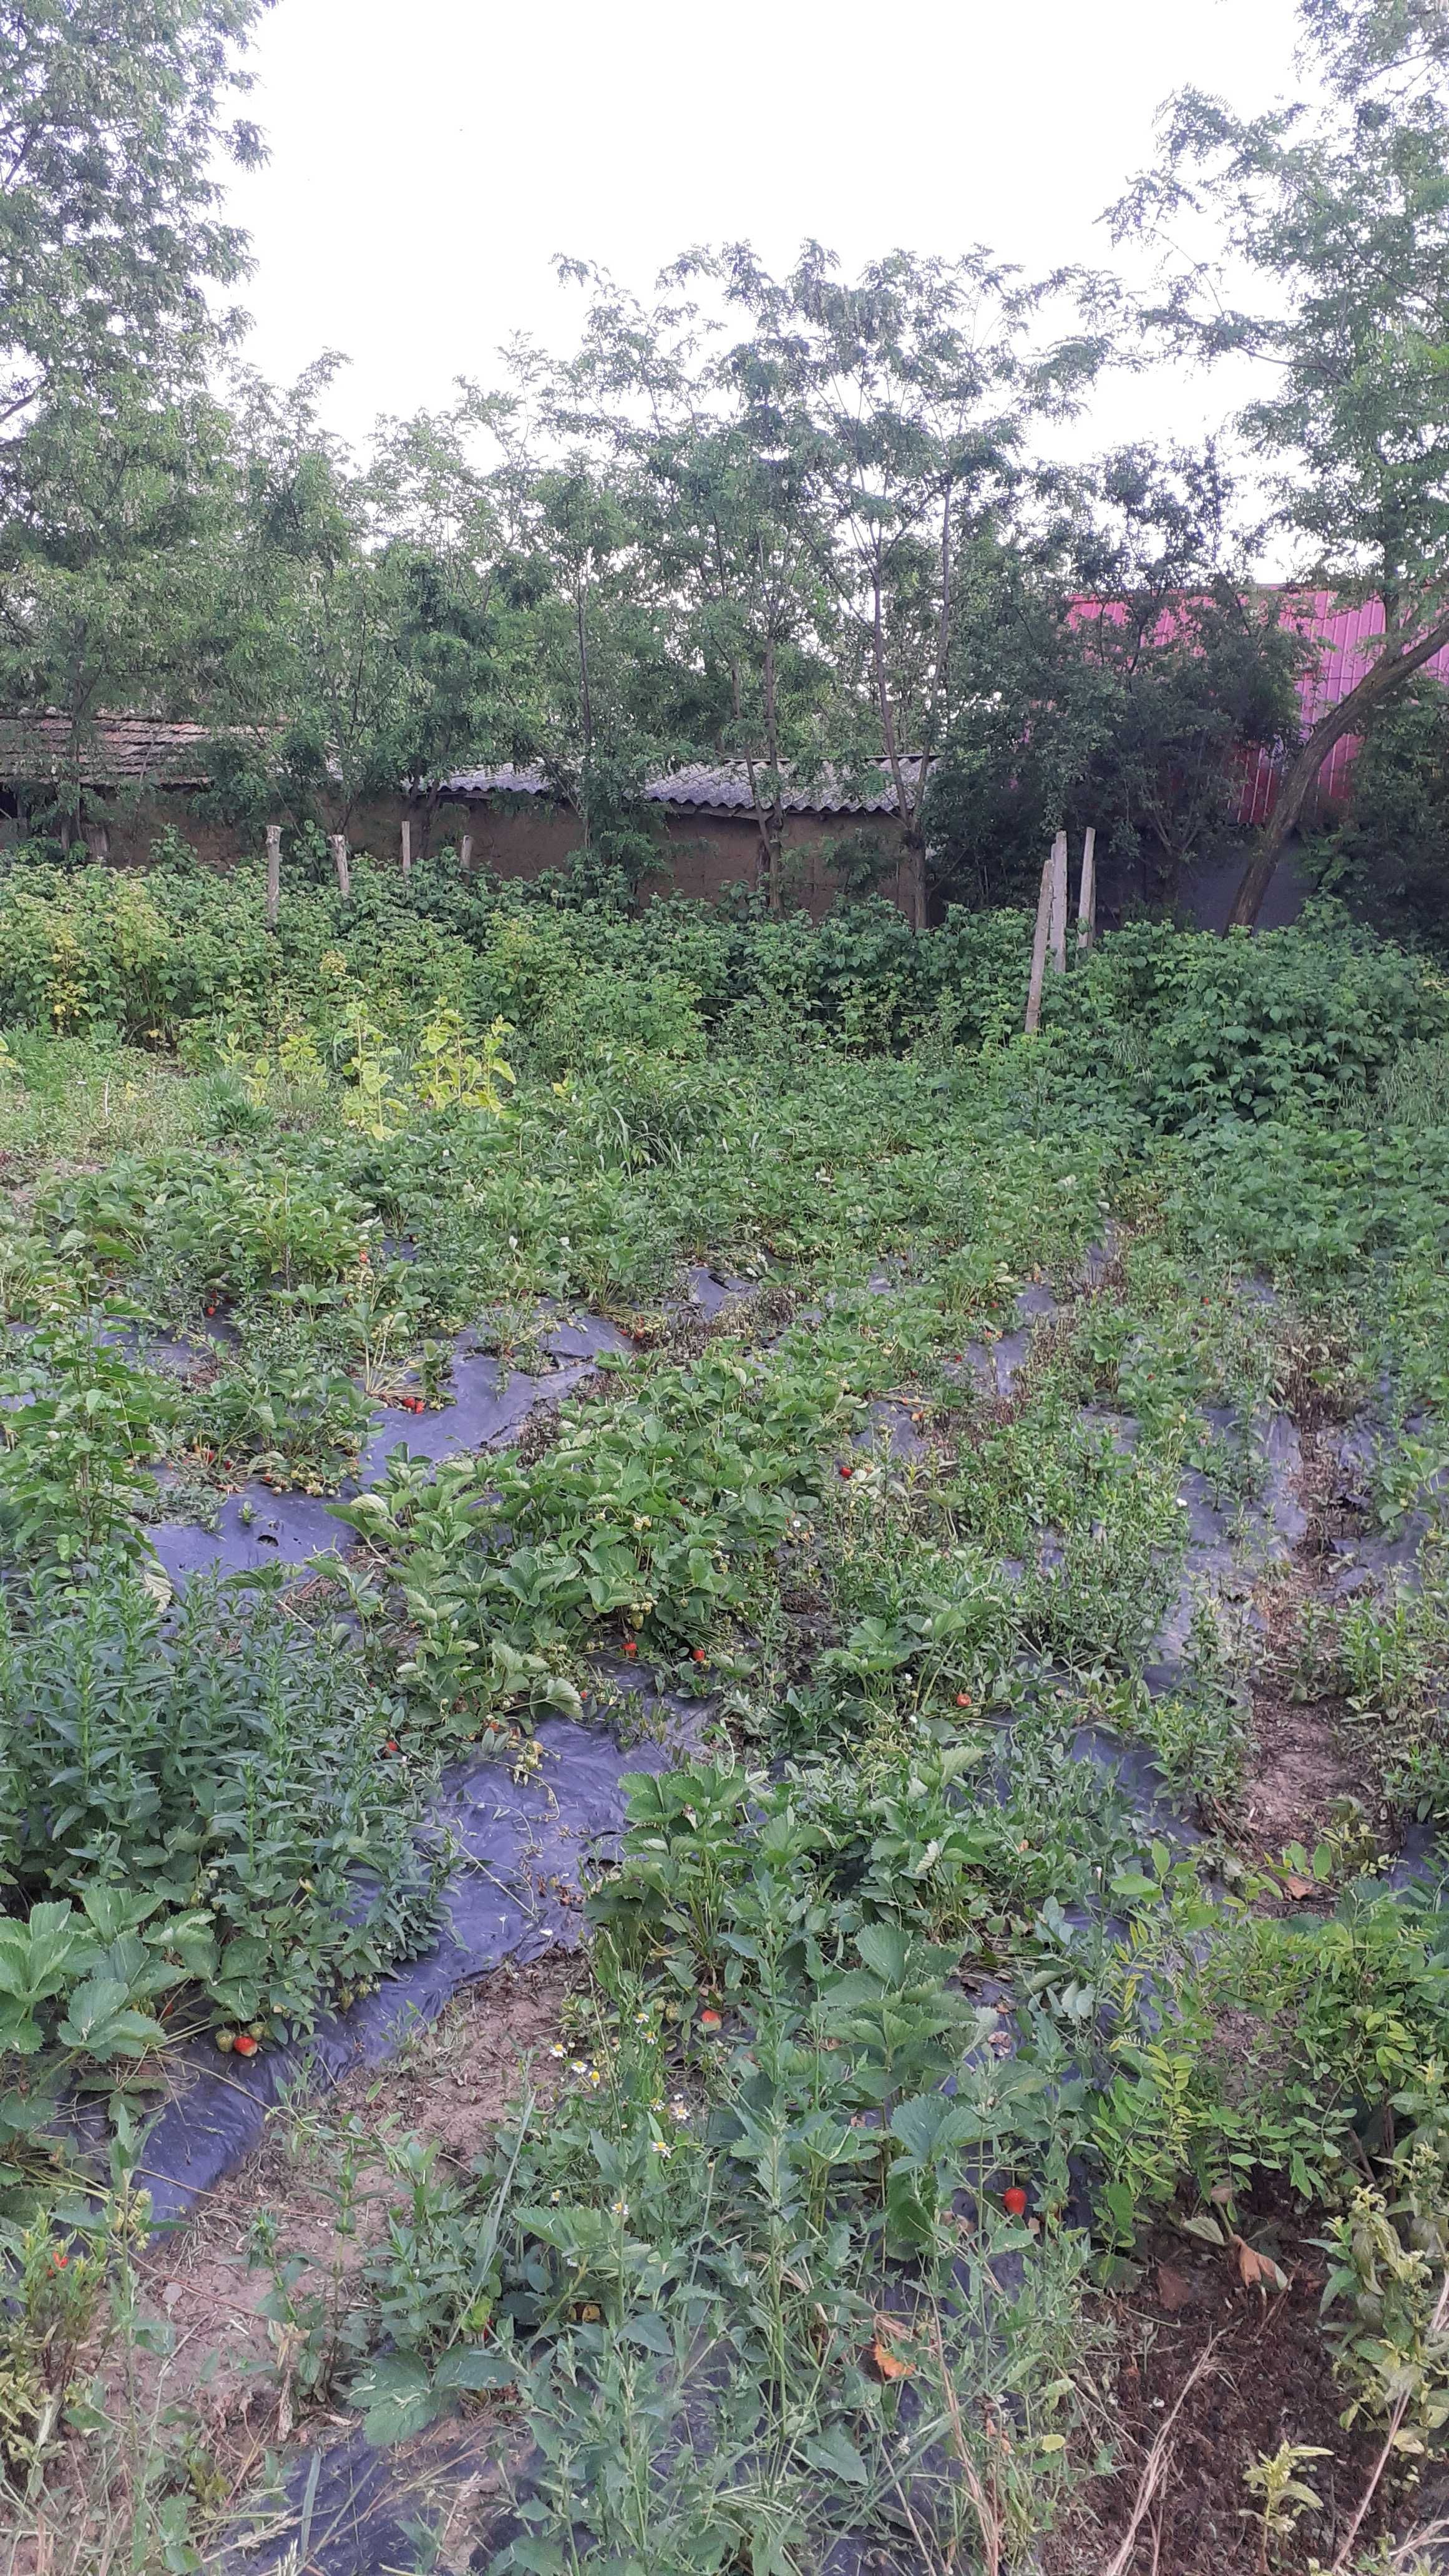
(620, 2209)
(556, 2050)
(658, 2147)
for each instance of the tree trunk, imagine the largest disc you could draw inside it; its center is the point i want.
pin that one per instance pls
(913, 858)
(914, 873)
(339, 861)
(776, 832)
(1387, 675)
(586, 710)
(274, 873)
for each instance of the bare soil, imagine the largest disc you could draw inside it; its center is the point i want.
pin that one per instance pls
(225, 2387)
(1307, 1766)
(1268, 2379)
(1302, 1767)
(1265, 2362)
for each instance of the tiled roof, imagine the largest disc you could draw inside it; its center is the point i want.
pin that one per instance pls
(721, 789)
(115, 751)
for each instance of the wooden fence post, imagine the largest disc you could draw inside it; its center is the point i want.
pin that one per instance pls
(1087, 900)
(407, 848)
(1057, 936)
(1039, 949)
(339, 861)
(465, 852)
(274, 873)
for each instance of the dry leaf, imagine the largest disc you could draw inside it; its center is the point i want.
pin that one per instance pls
(887, 2363)
(1174, 2289)
(1255, 2270)
(1301, 1886)
(1221, 2194)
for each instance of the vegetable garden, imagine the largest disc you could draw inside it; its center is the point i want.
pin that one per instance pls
(870, 1588)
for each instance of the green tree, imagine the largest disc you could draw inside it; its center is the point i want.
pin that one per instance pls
(599, 711)
(1340, 212)
(1388, 857)
(119, 519)
(720, 487)
(111, 118)
(358, 615)
(908, 393)
(1122, 656)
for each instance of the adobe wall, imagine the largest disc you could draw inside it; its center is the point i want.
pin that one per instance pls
(701, 854)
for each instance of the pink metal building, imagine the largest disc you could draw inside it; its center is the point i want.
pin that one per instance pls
(1346, 638)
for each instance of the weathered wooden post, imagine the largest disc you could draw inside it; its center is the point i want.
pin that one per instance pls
(1057, 936)
(1039, 949)
(407, 847)
(1087, 899)
(465, 852)
(339, 861)
(274, 873)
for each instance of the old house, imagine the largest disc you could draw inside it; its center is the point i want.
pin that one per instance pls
(130, 779)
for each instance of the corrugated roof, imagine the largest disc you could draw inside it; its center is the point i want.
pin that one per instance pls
(722, 788)
(118, 751)
(115, 751)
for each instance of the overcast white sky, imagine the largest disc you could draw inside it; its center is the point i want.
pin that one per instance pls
(427, 159)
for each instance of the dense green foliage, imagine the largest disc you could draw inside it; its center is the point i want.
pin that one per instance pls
(1385, 856)
(889, 1863)
(203, 1781)
(977, 1945)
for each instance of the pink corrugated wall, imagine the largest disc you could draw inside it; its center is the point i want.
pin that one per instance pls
(1345, 636)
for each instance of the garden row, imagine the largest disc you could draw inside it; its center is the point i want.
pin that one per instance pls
(974, 1941)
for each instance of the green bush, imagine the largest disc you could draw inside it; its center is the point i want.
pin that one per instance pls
(231, 1765)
